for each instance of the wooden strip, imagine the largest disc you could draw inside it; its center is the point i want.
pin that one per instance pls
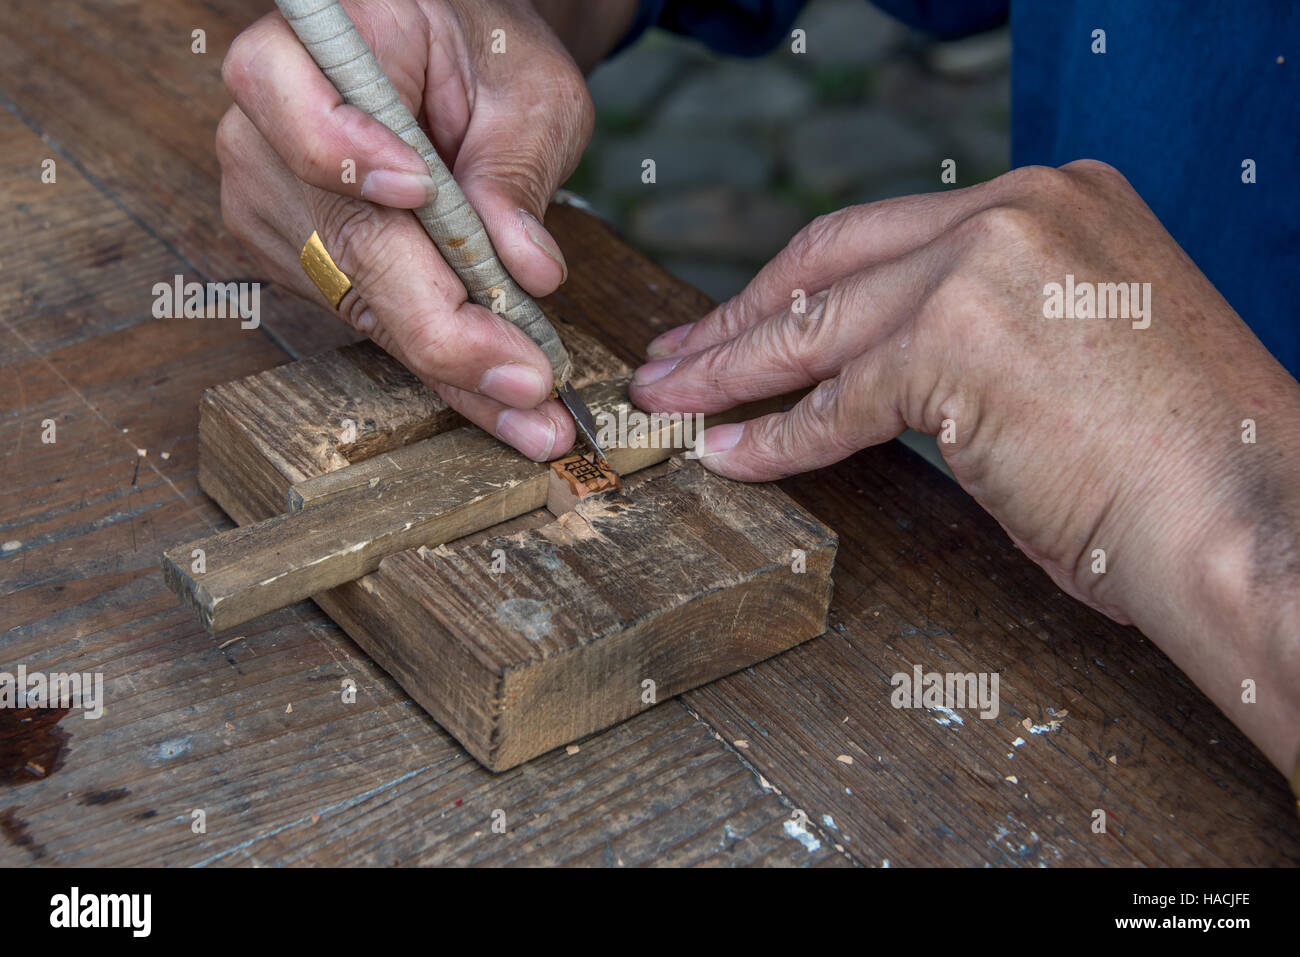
(425, 494)
(608, 397)
(249, 571)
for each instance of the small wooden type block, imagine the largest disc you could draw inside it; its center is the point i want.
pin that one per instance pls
(576, 478)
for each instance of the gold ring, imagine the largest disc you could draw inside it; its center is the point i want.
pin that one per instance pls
(320, 269)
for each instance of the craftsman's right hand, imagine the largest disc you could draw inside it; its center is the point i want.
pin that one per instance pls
(510, 125)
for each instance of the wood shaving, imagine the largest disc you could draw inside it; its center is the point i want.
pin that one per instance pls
(844, 759)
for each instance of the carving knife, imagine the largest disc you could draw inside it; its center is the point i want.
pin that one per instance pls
(333, 41)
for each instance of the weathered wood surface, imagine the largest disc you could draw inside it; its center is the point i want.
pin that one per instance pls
(429, 492)
(683, 580)
(255, 731)
(690, 578)
(921, 577)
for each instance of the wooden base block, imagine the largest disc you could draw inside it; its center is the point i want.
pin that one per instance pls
(530, 640)
(518, 630)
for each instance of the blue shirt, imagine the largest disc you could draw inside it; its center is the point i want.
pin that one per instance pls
(1182, 97)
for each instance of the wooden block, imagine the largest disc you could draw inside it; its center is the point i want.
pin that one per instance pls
(344, 522)
(237, 575)
(531, 640)
(575, 478)
(359, 487)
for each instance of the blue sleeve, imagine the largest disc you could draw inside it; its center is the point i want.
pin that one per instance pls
(736, 27)
(753, 27)
(1179, 100)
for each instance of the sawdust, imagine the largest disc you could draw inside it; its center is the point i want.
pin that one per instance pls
(575, 527)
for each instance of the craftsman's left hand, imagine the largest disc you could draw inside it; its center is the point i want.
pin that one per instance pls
(1076, 434)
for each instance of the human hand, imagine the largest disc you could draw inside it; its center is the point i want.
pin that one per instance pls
(1079, 434)
(511, 126)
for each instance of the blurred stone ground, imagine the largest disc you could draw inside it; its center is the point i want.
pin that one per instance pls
(746, 152)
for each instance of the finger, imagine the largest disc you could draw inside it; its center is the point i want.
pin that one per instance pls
(859, 407)
(324, 141)
(262, 203)
(827, 249)
(541, 434)
(409, 298)
(787, 350)
(509, 167)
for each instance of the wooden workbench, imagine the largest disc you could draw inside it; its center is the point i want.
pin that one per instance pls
(252, 728)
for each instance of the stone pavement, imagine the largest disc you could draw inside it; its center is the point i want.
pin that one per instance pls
(748, 151)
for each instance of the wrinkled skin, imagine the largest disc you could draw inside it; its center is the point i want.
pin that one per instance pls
(1076, 434)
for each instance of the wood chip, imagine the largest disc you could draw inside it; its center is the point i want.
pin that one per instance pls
(741, 743)
(571, 749)
(844, 759)
(289, 708)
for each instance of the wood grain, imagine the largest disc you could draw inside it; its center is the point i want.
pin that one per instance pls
(533, 639)
(345, 519)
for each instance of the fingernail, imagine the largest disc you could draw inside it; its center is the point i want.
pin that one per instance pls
(544, 241)
(653, 371)
(388, 187)
(514, 384)
(529, 431)
(669, 342)
(719, 439)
